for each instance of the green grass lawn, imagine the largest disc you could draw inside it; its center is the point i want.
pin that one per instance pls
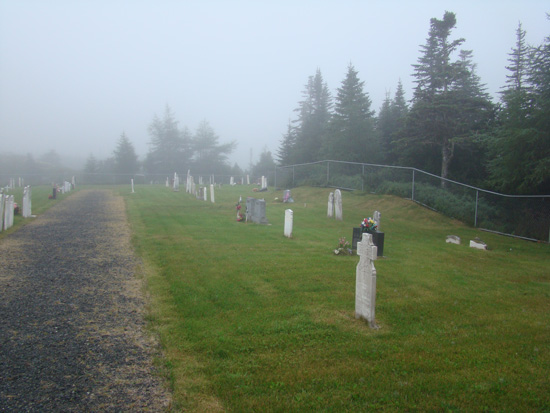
(252, 321)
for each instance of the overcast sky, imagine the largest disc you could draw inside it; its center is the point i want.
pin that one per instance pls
(75, 74)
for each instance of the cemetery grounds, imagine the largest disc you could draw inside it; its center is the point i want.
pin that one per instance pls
(250, 320)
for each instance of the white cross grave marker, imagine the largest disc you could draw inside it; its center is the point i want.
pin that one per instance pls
(365, 280)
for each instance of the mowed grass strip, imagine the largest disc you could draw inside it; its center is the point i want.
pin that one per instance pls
(252, 321)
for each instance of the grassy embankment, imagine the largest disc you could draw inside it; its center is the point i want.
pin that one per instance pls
(252, 321)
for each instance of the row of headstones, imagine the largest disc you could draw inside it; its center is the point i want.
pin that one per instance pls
(232, 181)
(7, 205)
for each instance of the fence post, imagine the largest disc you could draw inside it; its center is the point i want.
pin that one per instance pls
(363, 178)
(477, 199)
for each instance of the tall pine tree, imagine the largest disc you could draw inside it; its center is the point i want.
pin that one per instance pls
(449, 105)
(313, 118)
(352, 136)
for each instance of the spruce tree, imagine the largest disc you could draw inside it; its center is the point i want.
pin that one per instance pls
(352, 136)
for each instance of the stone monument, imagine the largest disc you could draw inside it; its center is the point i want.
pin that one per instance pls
(330, 210)
(288, 223)
(365, 281)
(338, 213)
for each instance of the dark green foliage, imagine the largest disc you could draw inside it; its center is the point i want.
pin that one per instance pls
(352, 135)
(450, 105)
(520, 145)
(125, 158)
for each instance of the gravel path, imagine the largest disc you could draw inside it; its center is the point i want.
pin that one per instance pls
(71, 314)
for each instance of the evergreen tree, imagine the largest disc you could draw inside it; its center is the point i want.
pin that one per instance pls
(125, 158)
(169, 149)
(391, 119)
(286, 151)
(520, 147)
(209, 155)
(312, 122)
(449, 104)
(352, 124)
(265, 165)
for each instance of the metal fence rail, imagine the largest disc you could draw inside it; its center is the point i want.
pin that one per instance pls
(523, 216)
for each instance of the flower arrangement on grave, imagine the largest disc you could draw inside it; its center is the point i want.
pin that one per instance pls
(368, 225)
(239, 213)
(343, 248)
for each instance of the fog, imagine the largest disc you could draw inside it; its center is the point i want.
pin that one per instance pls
(75, 75)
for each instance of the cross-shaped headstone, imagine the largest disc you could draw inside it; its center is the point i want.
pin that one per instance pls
(365, 280)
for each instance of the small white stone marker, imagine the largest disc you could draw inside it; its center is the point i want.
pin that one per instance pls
(365, 280)
(479, 244)
(288, 223)
(132, 182)
(453, 239)
(212, 193)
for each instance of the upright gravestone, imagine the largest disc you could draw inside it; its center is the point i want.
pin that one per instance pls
(205, 194)
(232, 181)
(330, 210)
(264, 182)
(8, 212)
(365, 280)
(27, 207)
(338, 205)
(248, 179)
(377, 217)
(2, 201)
(212, 193)
(288, 223)
(132, 184)
(255, 211)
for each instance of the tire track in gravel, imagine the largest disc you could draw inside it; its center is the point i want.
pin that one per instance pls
(71, 313)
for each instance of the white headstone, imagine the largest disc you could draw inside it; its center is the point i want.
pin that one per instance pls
(2, 202)
(212, 193)
(248, 179)
(288, 223)
(338, 213)
(205, 193)
(330, 210)
(232, 181)
(8, 212)
(453, 239)
(365, 280)
(26, 207)
(377, 217)
(479, 244)
(132, 182)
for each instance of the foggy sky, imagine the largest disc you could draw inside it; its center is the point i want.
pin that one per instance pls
(75, 75)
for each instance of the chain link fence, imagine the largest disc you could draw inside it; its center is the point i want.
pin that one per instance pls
(523, 216)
